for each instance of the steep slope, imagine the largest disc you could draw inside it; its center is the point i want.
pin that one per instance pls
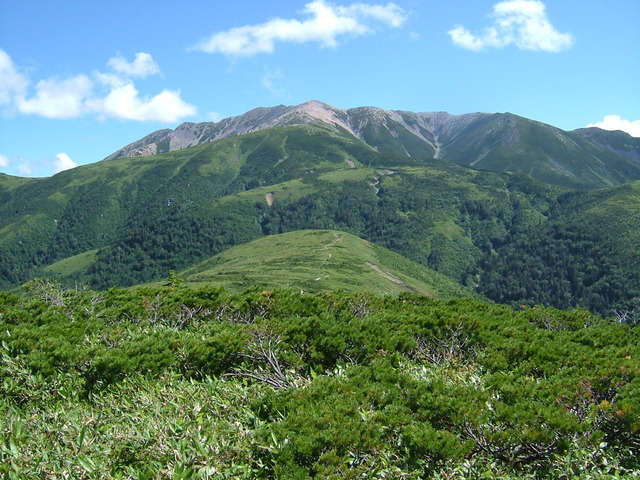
(192, 134)
(618, 142)
(388, 131)
(497, 142)
(317, 260)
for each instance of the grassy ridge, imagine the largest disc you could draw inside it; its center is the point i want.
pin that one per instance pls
(320, 260)
(72, 265)
(507, 142)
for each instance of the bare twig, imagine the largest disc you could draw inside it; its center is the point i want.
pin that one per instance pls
(267, 367)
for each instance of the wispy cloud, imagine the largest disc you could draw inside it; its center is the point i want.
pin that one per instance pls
(106, 95)
(323, 23)
(213, 116)
(523, 23)
(41, 167)
(63, 162)
(270, 82)
(25, 169)
(13, 83)
(143, 65)
(615, 122)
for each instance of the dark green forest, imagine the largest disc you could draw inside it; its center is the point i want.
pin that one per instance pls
(175, 382)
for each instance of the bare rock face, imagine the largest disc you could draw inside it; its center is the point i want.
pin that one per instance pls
(145, 146)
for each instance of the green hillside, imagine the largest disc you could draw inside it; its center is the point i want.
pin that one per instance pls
(46, 220)
(438, 216)
(320, 260)
(506, 142)
(133, 220)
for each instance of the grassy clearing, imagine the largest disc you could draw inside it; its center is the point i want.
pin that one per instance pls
(71, 265)
(356, 174)
(286, 191)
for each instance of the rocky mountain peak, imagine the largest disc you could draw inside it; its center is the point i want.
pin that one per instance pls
(323, 112)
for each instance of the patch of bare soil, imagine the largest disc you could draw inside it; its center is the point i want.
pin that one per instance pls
(390, 277)
(270, 198)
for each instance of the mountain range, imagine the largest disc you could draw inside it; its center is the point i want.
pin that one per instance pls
(478, 204)
(496, 142)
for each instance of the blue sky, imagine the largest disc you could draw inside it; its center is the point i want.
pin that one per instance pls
(78, 79)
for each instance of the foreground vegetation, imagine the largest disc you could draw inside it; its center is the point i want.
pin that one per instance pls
(174, 382)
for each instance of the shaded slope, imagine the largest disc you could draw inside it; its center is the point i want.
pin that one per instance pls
(587, 255)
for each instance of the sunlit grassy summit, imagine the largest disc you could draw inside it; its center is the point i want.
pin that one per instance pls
(320, 260)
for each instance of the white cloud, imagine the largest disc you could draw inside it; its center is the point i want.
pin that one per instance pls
(24, 169)
(63, 162)
(125, 103)
(143, 65)
(58, 98)
(107, 95)
(4, 161)
(521, 22)
(615, 122)
(214, 116)
(12, 83)
(324, 23)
